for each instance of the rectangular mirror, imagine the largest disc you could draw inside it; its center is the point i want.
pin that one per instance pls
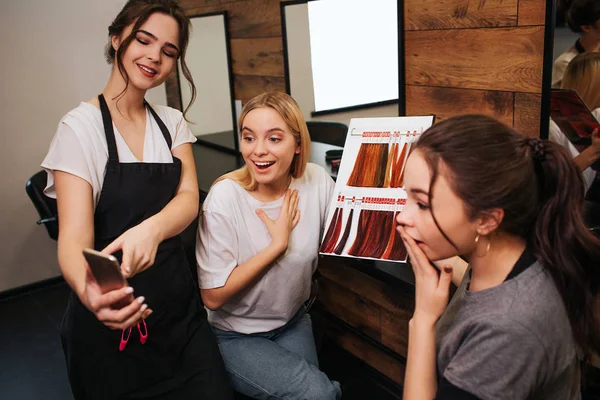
(208, 58)
(573, 107)
(341, 58)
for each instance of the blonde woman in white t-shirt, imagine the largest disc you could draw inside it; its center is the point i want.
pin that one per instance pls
(257, 251)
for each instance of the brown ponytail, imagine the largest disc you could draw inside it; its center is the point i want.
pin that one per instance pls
(569, 251)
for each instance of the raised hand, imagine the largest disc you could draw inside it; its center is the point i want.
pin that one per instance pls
(431, 290)
(280, 228)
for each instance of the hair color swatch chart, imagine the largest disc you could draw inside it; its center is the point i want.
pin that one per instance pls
(369, 188)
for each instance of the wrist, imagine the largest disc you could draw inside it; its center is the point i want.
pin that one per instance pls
(154, 227)
(422, 322)
(279, 246)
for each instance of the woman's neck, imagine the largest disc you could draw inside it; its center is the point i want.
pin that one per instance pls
(589, 42)
(492, 268)
(128, 104)
(272, 191)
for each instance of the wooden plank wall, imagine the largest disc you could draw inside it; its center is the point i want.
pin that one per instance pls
(475, 56)
(461, 56)
(483, 56)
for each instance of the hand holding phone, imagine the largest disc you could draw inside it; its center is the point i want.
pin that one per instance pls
(106, 270)
(107, 294)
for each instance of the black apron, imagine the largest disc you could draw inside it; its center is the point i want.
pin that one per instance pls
(180, 359)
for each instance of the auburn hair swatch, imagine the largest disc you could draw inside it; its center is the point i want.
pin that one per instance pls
(335, 226)
(378, 163)
(375, 236)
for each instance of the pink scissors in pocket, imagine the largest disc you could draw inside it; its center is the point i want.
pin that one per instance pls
(143, 335)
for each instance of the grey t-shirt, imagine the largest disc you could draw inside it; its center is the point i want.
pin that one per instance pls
(512, 341)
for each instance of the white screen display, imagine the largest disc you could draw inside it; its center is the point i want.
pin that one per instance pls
(354, 52)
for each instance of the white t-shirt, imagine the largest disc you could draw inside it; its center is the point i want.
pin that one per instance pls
(560, 66)
(557, 136)
(79, 145)
(230, 233)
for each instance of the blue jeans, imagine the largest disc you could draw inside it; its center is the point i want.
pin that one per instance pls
(280, 364)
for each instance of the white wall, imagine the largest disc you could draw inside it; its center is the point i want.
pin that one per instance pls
(208, 63)
(53, 58)
(300, 71)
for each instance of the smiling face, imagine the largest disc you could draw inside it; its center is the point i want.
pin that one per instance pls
(268, 147)
(151, 55)
(449, 210)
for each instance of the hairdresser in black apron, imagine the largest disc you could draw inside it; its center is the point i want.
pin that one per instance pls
(124, 178)
(180, 358)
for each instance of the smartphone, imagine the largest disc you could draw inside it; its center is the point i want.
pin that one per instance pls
(106, 270)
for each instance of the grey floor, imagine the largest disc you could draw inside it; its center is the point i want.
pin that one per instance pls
(32, 365)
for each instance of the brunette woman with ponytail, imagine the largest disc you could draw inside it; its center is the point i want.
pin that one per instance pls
(524, 315)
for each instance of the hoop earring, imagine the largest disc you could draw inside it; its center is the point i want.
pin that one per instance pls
(487, 249)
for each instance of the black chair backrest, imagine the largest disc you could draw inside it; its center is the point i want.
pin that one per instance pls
(45, 206)
(327, 132)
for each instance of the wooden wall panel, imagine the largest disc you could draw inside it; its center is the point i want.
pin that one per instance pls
(436, 14)
(383, 295)
(448, 102)
(172, 89)
(506, 59)
(248, 86)
(259, 57)
(382, 362)
(532, 12)
(247, 18)
(350, 307)
(255, 40)
(394, 332)
(528, 113)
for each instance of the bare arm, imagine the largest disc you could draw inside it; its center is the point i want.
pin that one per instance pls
(76, 215)
(586, 158)
(250, 271)
(431, 299)
(589, 156)
(242, 276)
(420, 381)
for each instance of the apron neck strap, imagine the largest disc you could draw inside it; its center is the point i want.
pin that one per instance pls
(161, 125)
(113, 154)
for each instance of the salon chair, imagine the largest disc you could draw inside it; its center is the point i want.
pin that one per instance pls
(327, 132)
(45, 206)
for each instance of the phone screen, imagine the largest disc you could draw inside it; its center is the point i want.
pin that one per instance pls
(107, 273)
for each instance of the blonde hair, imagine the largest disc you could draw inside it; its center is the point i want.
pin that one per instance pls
(290, 112)
(583, 76)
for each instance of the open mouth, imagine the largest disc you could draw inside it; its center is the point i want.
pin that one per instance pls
(149, 72)
(263, 165)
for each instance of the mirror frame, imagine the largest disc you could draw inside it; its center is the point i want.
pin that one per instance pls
(401, 75)
(236, 142)
(548, 63)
